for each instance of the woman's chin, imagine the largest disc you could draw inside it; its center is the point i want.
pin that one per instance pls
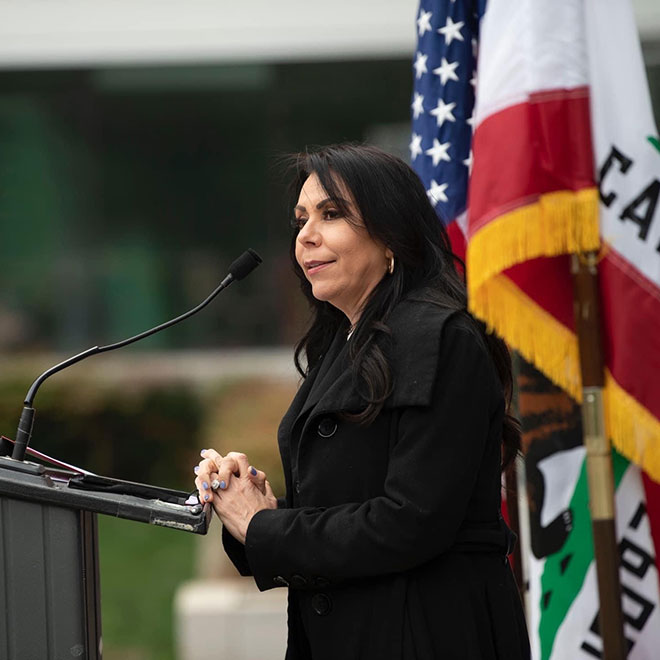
(321, 293)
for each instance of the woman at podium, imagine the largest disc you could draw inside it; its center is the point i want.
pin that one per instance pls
(390, 538)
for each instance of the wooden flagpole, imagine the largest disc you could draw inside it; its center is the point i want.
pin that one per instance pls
(599, 458)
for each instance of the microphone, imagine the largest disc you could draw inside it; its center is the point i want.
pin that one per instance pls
(244, 265)
(239, 269)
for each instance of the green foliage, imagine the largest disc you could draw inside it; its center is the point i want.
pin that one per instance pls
(141, 568)
(146, 434)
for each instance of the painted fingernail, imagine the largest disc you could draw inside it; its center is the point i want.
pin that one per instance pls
(196, 469)
(205, 484)
(206, 498)
(203, 452)
(223, 485)
(215, 484)
(253, 471)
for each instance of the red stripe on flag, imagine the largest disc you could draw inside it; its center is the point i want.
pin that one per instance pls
(457, 239)
(631, 318)
(547, 281)
(547, 148)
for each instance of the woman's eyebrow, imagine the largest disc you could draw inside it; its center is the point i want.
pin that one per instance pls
(320, 205)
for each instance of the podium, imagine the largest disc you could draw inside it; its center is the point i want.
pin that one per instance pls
(49, 574)
(49, 570)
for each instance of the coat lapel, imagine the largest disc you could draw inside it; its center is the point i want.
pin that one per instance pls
(413, 360)
(296, 406)
(313, 387)
(332, 381)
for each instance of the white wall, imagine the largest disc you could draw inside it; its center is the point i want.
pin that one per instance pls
(60, 33)
(88, 32)
(648, 19)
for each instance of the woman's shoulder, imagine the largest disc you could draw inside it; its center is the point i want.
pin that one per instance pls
(425, 334)
(423, 311)
(418, 320)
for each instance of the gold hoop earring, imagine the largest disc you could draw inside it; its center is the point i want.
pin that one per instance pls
(390, 267)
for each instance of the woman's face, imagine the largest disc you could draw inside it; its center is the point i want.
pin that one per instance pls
(339, 258)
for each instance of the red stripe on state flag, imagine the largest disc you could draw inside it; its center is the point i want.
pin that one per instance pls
(548, 282)
(631, 319)
(528, 149)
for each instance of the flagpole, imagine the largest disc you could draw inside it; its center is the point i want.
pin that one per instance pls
(599, 458)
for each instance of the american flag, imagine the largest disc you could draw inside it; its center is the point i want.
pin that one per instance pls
(444, 70)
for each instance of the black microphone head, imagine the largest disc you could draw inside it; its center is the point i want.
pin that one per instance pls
(245, 264)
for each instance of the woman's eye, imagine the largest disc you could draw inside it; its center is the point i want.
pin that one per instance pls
(331, 214)
(298, 222)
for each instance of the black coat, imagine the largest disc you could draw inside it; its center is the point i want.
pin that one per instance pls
(391, 540)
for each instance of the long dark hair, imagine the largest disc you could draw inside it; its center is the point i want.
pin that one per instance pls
(393, 206)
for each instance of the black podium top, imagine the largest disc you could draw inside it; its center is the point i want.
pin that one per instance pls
(112, 497)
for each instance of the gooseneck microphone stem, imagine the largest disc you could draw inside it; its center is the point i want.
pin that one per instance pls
(95, 350)
(244, 265)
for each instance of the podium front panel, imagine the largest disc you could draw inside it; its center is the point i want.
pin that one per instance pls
(49, 577)
(49, 594)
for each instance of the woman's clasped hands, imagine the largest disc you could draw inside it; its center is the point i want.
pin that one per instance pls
(236, 489)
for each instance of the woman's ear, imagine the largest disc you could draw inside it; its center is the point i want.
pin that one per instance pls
(389, 257)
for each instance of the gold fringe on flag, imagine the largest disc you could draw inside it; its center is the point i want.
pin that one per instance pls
(634, 431)
(561, 222)
(549, 345)
(527, 327)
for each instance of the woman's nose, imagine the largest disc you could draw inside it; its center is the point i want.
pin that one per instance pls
(309, 234)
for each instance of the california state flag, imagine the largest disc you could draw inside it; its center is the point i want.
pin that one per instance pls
(566, 160)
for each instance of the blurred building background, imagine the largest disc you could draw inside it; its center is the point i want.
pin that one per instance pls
(141, 146)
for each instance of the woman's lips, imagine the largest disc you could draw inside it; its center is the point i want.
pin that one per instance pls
(316, 266)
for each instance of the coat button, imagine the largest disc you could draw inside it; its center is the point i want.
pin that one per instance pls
(327, 427)
(298, 582)
(280, 581)
(297, 487)
(321, 604)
